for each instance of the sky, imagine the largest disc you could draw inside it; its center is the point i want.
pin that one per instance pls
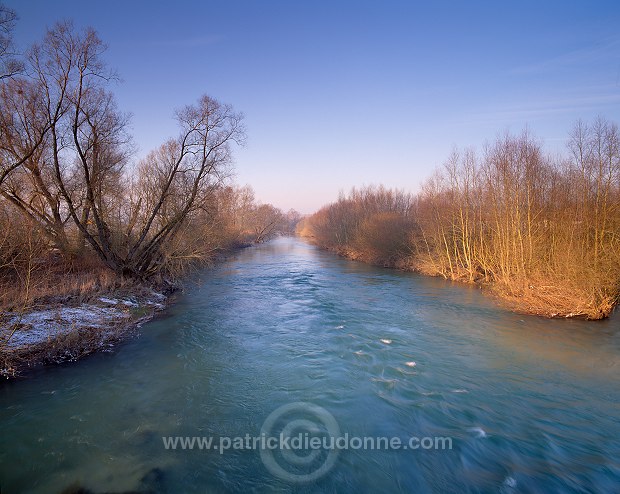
(339, 94)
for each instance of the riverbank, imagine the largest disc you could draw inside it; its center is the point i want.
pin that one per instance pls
(63, 328)
(69, 312)
(540, 298)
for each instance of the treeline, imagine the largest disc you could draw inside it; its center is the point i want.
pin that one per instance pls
(543, 231)
(71, 192)
(372, 224)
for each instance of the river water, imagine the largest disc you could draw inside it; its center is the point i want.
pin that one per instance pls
(284, 340)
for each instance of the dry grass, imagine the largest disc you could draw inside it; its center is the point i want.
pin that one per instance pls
(547, 296)
(59, 283)
(55, 280)
(558, 298)
(539, 295)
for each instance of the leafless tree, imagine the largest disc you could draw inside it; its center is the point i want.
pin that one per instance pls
(544, 232)
(62, 138)
(180, 176)
(10, 64)
(65, 150)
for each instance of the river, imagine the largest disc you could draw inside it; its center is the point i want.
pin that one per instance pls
(286, 338)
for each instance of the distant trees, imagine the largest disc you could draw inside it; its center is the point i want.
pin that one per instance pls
(226, 219)
(544, 232)
(251, 221)
(371, 224)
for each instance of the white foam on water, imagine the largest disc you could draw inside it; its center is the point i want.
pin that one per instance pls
(510, 482)
(479, 431)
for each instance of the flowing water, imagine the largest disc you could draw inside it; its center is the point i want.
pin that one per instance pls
(528, 404)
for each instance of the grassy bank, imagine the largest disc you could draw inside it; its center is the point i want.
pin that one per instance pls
(90, 232)
(542, 298)
(540, 232)
(62, 309)
(67, 310)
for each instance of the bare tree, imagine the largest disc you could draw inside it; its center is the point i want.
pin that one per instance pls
(65, 148)
(21, 115)
(181, 176)
(545, 233)
(62, 137)
(10, 64)
(268, 221)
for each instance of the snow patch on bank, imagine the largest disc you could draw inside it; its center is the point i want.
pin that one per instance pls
(39, 326)
(43, 325)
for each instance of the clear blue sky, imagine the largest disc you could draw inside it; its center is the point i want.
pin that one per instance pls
(344, 93)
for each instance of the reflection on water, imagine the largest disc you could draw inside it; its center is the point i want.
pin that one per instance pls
(531, 404)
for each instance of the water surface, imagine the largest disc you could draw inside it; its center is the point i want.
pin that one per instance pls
(531, 405)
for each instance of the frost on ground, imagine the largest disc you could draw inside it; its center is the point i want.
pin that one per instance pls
(18, 331)
(40, 326)
(71, 331)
